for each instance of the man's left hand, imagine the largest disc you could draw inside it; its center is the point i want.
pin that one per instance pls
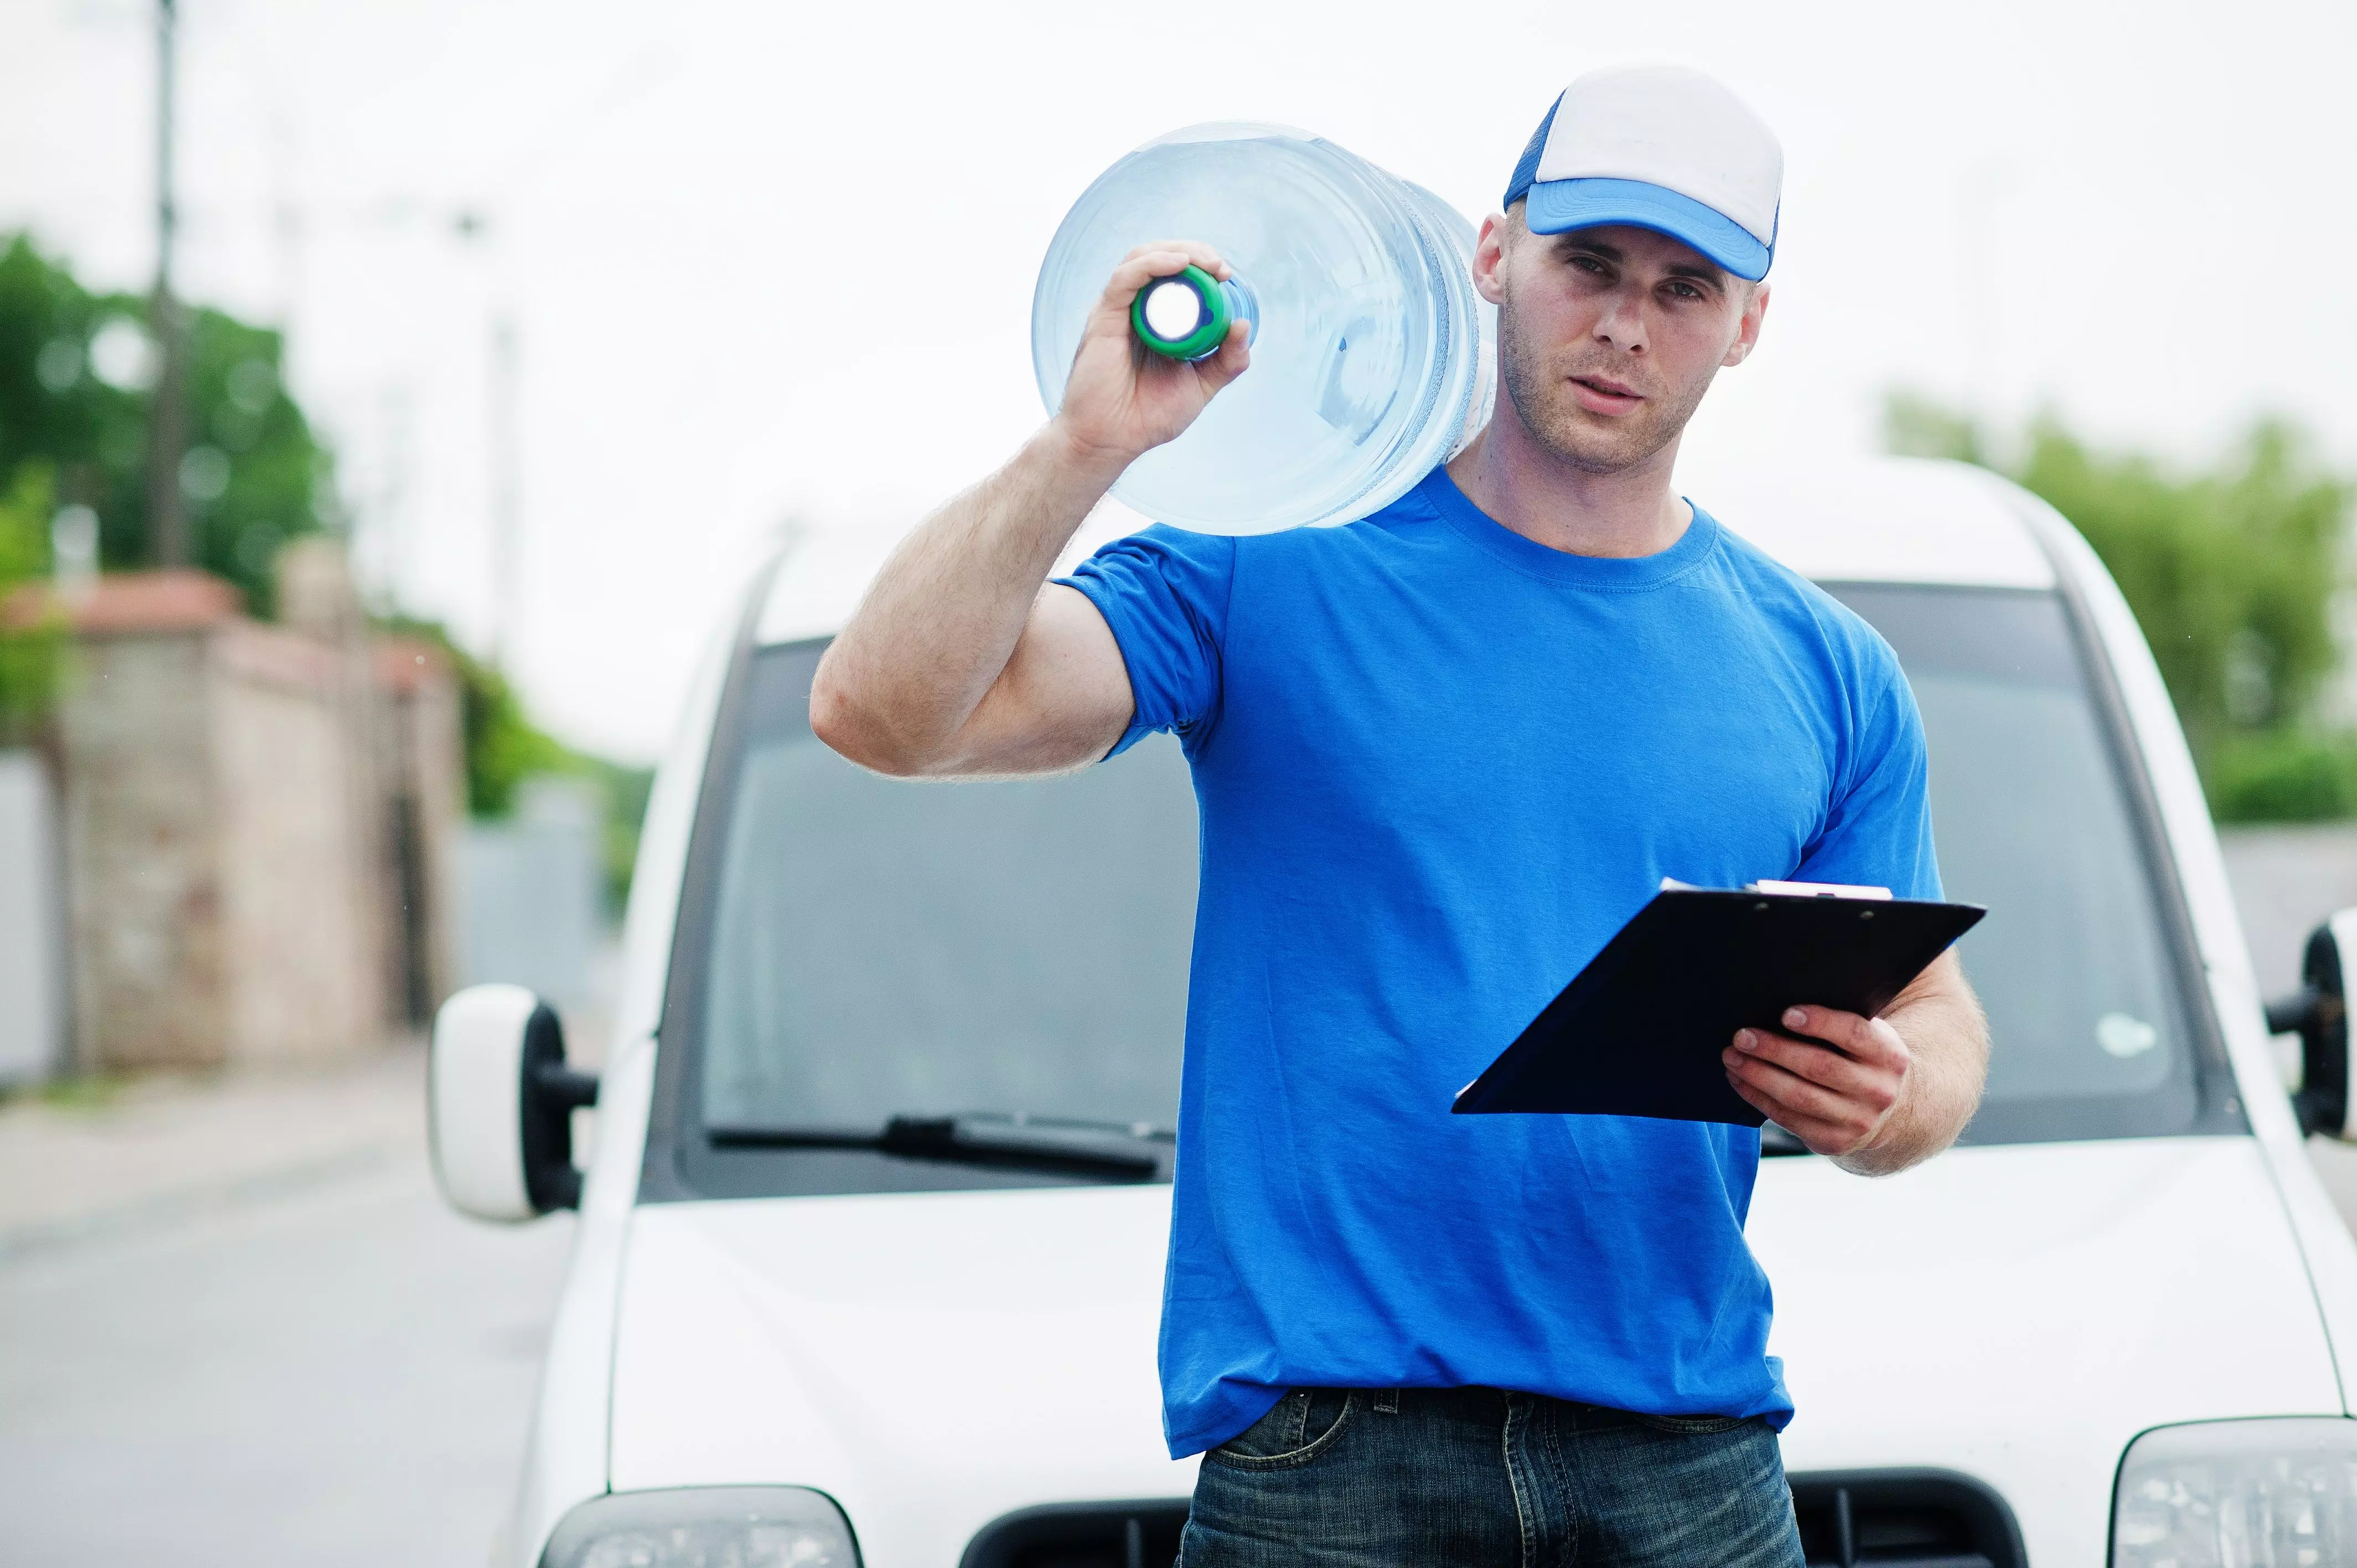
(1832, 1082)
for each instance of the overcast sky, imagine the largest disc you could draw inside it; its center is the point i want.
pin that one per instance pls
(726, 232)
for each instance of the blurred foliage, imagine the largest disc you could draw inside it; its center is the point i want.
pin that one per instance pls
(73, 430)
(32, 630)
(2293, 774)
(504, 747)
(72, 369)
(2232, 573)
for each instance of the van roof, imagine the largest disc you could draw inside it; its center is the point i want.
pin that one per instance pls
(1886, 519)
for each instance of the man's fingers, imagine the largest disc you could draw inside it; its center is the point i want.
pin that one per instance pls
(1194, 251)
(1867, 1039)
(1136, 270)
(1233, 359)
(1808, 1129)
(1818, 1063)
(1803, 1080)
(1790, 1089)
(1832, 1082)
(1823, 1135)
(1163, 259)
(1817, 1137)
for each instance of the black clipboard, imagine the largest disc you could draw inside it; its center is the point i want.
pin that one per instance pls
(1639, 1031)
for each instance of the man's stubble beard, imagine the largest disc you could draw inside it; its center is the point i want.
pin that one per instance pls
(1551, 412)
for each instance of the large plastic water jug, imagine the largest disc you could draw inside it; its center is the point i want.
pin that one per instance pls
(1372, 357)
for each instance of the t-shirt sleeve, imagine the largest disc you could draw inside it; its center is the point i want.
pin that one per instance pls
(1879, 832)
(1164, 592)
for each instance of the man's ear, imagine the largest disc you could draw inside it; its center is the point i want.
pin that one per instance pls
(1489, 257)
(1747, 335)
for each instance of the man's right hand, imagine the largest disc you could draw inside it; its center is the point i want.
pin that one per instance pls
(959, 661)
(1123, 400)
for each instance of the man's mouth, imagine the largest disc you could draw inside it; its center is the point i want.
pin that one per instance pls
(1600, 395)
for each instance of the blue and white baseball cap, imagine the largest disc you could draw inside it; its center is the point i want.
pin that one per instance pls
(1662, 147)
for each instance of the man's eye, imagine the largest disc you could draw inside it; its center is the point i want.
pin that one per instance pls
(1685, 291)
(1588, 263)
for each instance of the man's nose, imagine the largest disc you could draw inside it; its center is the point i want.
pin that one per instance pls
(1622, 323)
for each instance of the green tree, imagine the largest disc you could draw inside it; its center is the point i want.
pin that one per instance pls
(254, 475)
(32, 634)
(2231, 571)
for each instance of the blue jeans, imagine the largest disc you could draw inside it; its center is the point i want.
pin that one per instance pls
(1390, 1478)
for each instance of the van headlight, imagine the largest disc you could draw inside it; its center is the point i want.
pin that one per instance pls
(705, 1527)
(2277, 1491)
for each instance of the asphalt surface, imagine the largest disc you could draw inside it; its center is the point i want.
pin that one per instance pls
(322, 1366)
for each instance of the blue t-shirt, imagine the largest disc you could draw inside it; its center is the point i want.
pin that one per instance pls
(1438, 766)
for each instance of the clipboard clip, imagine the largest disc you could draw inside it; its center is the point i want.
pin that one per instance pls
(1792, 889)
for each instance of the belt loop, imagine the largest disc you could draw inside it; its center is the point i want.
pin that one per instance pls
(1387, 1401)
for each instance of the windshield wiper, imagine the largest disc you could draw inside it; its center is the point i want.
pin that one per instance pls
(1143, 1131)
(1008, 1140)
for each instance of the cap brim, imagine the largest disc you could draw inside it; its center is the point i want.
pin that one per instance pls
(1559, 206)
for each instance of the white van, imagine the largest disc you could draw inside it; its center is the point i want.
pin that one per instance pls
(871, 1243)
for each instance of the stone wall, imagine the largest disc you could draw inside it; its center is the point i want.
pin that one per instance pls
(304, 976)
(144, 852)
(249, 814)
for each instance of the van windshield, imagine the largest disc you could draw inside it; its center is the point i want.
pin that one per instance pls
(855, 949)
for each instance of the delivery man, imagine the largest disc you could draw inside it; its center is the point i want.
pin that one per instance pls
(1442, 755)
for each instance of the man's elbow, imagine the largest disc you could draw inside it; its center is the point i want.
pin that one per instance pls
(855, 729)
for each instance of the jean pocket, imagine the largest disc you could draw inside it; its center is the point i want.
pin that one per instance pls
(1692, 1425)
(1302, 1425)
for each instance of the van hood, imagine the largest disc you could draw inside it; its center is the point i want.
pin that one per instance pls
(934, 1361)
(2020, 1312)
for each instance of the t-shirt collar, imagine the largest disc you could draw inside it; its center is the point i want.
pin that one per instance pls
(1701, 537)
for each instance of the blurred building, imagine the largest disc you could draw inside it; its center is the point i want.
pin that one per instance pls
(532, 911)
(32, 955)
(258, 822)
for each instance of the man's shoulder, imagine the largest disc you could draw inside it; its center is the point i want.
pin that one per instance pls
(1800, 607)
(1411, 516)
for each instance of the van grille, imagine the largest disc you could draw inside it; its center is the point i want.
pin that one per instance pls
(1083, 1535)
(1849, 1518)
(1903, 1519)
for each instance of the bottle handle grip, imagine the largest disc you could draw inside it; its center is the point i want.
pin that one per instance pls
(1186, 315)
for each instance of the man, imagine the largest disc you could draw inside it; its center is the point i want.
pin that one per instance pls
(1441, 754)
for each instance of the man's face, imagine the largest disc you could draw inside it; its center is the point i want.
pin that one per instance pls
(1608, 337)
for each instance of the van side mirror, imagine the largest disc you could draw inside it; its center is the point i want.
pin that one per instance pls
(500, 1103)
(2319, 1011)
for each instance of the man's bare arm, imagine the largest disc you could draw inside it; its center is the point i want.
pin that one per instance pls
(959, 659)
(963, 659)
(1876, 1094)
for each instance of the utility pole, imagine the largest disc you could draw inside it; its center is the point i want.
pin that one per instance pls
(168, 414)
(506, 487)
(503, 435)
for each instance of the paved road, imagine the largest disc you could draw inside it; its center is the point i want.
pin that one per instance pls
(327, 1370)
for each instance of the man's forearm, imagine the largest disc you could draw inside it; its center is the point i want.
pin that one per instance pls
(1947, 1044)
(944, 617)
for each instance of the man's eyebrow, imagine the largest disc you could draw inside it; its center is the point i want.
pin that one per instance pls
(1605, 249)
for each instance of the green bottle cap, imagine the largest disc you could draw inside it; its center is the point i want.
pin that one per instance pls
(1182, 316)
